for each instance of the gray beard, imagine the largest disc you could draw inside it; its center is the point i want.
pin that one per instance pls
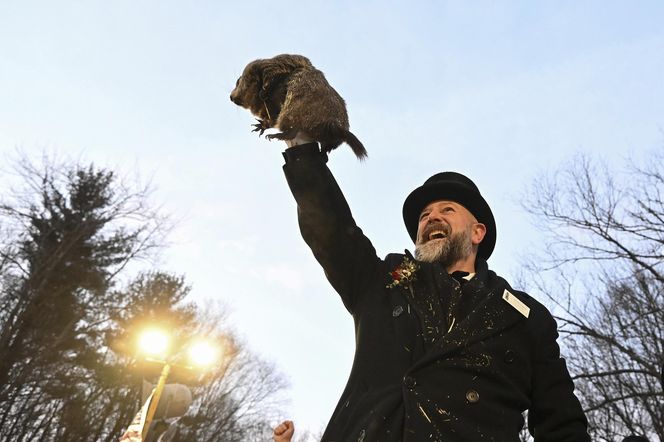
(456, 247)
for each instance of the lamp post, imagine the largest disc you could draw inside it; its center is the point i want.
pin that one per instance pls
(155, 344)
(154, 402)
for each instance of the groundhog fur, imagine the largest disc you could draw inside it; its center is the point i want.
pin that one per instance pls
(288, 93)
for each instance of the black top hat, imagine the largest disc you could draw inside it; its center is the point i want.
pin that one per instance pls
(455, 187)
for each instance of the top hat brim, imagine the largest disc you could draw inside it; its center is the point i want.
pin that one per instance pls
(451, 190)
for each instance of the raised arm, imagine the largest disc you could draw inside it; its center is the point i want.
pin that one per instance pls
(326, 223)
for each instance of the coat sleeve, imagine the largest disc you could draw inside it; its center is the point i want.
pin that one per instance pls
(555, 413)
(326, 223)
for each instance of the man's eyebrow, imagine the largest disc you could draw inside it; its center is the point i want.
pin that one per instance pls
(451, 204)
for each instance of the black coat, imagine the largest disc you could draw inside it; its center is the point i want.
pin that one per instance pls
(474, 382)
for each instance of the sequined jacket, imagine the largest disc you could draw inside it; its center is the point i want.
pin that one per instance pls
(484, 366)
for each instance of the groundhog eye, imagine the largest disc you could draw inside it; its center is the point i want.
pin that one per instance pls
(237, 82)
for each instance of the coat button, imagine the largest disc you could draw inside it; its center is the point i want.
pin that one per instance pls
(509, 356)
(472, 396)
(409, 382)
(397, 311)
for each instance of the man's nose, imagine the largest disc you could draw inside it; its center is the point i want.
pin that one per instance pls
(434, 217)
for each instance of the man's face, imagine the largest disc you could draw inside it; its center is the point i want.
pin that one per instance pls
(447, 233)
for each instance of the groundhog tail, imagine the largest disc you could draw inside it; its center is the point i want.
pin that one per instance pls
(355, 144)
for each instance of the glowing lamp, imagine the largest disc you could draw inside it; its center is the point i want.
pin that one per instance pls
(203, 354)
(154, 342)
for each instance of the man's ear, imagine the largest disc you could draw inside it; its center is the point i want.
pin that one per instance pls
(478, 233)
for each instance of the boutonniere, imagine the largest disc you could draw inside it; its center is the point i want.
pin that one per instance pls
(404, 273)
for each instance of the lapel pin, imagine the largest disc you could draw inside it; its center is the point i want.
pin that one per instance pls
(516, 303)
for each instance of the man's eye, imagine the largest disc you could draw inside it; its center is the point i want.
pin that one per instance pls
(424, 215)
(448, 209)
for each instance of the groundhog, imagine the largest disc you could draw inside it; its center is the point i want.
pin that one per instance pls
(288, 93)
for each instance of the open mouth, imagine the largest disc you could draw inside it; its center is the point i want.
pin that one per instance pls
(437, 234)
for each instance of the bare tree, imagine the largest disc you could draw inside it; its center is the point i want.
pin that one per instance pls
(602, 265)
(239, 406)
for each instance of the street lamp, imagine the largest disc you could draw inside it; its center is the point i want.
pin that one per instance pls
(156, 344)
(203, 354)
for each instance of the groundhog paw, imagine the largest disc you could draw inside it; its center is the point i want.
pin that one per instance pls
(261, 126)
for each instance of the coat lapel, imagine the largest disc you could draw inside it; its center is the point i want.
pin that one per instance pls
(490, 317)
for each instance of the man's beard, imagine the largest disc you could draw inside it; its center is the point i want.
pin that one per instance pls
(456, 247)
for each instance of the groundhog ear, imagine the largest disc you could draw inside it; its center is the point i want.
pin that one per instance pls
(271, 75)
(266, 79)
(254, 73)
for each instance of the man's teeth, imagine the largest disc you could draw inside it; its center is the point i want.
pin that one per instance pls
(437, 234)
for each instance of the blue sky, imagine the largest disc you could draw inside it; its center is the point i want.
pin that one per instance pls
(500, 91)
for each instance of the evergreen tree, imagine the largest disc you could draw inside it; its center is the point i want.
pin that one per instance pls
(68, 368)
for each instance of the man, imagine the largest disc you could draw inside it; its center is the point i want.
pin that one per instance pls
(446, 350)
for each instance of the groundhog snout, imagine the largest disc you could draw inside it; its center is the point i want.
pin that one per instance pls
(236, 100)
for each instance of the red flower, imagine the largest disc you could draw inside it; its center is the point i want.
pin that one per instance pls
(404, 273)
